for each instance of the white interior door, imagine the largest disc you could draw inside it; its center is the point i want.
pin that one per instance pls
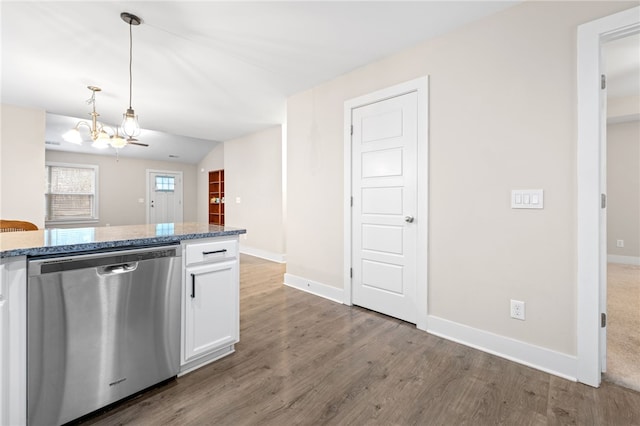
(165, 196)
(603, 224)
(384, 189)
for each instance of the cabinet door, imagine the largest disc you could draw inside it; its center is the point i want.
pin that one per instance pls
(13, 341)
(211, 308)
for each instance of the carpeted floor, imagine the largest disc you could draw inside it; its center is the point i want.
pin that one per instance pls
(623, 325)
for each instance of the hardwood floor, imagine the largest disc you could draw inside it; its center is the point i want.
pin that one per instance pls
(309, 361)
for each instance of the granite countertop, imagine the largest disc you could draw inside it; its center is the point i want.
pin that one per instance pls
(74, 240)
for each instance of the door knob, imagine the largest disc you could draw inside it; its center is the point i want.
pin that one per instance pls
(408, 219)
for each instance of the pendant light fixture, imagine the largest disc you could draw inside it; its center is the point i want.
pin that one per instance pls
(130, 125)
(105, 136)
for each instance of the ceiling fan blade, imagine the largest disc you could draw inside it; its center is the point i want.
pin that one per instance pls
(134, 141)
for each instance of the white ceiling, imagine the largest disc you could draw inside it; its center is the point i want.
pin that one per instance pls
(206, 70)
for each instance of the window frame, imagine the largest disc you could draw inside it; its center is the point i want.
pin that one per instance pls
(170, 181)
(95, 216)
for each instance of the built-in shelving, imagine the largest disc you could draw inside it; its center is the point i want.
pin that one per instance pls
(216, 197)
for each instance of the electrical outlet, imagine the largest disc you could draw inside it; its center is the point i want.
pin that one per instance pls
(517, 309)
(619, 243)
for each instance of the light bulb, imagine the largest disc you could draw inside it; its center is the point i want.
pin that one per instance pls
(130, 125)
(73, 136)
(118, 142)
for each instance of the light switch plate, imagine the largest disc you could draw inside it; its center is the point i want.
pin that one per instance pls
(527, 199)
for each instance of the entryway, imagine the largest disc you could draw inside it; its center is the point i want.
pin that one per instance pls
(386, 186)
(164, 192)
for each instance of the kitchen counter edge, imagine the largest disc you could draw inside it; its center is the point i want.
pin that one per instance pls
(116, 243)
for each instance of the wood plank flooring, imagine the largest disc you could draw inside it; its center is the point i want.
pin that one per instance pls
(304, 360)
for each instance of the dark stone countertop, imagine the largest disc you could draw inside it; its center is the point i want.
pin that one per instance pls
(75, 240)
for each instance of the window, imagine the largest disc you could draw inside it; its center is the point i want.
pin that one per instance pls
(71, 192)
(165, 183)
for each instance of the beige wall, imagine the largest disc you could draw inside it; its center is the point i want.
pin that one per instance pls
(122, 182)
(22, 176)
(502, 116)
(253, 173)
(620, 108)
(623, 188)
(213, 161)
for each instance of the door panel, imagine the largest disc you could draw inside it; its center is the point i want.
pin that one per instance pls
(382, 201)
(382, 238)
(382, 163)
(382, 276)
(384, 170)
(384, 125)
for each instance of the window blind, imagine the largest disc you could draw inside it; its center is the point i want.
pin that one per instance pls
(70, 192)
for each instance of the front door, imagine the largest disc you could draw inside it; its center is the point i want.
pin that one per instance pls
(384, 189)
(165, 197)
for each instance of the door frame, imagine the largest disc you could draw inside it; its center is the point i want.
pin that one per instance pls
(591, 249)
(421, 86)
(147, 188)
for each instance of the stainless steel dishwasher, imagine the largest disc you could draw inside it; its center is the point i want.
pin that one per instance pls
(100, 327)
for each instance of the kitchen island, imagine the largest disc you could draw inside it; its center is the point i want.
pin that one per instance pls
(209, 268)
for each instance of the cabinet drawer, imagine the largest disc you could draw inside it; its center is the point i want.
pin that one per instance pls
(211, 251)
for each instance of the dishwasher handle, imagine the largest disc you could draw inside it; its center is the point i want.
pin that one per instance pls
(118, 269)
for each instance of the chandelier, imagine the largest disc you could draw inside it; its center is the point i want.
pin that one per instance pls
(101, 135)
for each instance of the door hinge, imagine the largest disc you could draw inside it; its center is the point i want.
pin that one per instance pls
(352, 130)
(603, 201)
(351, 201)
(603, 81)
(350, 272)
(603, 320)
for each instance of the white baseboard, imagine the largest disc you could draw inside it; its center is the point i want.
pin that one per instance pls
(264, 254)
(549, 361)
(625, 260)
(328, 292)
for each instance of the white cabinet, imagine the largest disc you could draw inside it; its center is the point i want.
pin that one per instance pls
(210, 296)
(13, 344)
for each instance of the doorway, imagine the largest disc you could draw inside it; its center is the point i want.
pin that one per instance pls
(164, 192)
(386, 201)
(591, 208)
